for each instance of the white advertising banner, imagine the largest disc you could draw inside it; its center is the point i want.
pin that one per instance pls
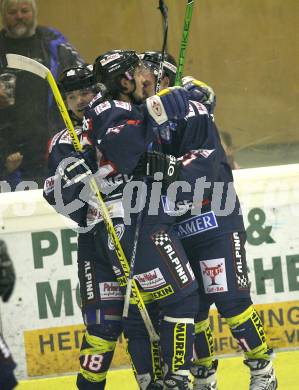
(42, 321)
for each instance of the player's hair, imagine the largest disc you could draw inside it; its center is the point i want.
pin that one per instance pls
(5, 3)
(152, 60)
(109, 68)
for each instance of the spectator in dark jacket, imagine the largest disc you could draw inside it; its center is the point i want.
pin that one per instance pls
(29, 116)
(7, 282)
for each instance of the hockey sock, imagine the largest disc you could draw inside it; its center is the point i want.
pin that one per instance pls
(203, 344)
(156, 361)
(95, 358)
(146, 361)
(248, 330)
(177, 338)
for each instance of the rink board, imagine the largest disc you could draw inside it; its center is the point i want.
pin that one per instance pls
(42, 321)
(231, 374)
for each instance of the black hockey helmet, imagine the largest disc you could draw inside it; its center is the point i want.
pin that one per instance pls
(152, 59)
(75, 78)
(111, 66)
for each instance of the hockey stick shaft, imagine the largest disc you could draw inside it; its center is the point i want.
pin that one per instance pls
(184, 41)
(133, 259)
(30, 65)
(106, 218)
(164, 11)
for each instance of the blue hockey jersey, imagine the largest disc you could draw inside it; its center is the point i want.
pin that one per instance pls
(211, 194)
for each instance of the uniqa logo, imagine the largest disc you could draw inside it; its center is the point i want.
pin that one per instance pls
(156, 106)
(119, 230)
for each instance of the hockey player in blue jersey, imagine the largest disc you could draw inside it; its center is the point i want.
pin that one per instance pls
(78, 89)
(213, 239)
(122, 132)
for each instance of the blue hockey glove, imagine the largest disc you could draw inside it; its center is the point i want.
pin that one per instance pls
(169, 104)
(78, 167)
(153, 162)
(200, 92)
(7, 273)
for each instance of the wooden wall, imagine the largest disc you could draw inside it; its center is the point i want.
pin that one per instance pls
(246, 49)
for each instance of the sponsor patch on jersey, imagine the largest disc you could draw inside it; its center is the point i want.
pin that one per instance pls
(151, 279)
(175, 208)
(102, 107)
(94, 215)
(163, 292)
(54, 140)
(65, 138)
(115, 130)
(194, 154)
(200, 108)
(87, 124)
(214, 275)
(49, 184)
(124, 105)
(191, 112)
(205, 152)
(89, 285)
(180, 341)
(119, 230)
(240, 262)
(196, 225)
(176, 266)
(109, 291)
(97, 98)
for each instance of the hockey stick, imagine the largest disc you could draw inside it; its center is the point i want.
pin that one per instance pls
(164, 10)
(133, 259)
(184, 41)
(16, 61)
(187, 21)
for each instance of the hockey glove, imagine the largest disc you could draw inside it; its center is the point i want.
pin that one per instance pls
(153, 162)
(200, 92)
(7, 273)
(169, 104)
(78, 167)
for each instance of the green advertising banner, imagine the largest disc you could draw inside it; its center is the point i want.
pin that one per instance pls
(42, 321)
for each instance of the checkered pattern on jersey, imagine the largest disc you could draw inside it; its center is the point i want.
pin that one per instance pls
(160, 238)
(242, 281)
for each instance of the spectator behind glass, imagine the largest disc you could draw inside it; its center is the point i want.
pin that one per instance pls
(7, 283)
(227, 143)
(26, 119)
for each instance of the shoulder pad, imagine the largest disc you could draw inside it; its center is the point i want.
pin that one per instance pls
(108, 104)
(99, 108)
(99, 98)
(124, 105)
(62, 137)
